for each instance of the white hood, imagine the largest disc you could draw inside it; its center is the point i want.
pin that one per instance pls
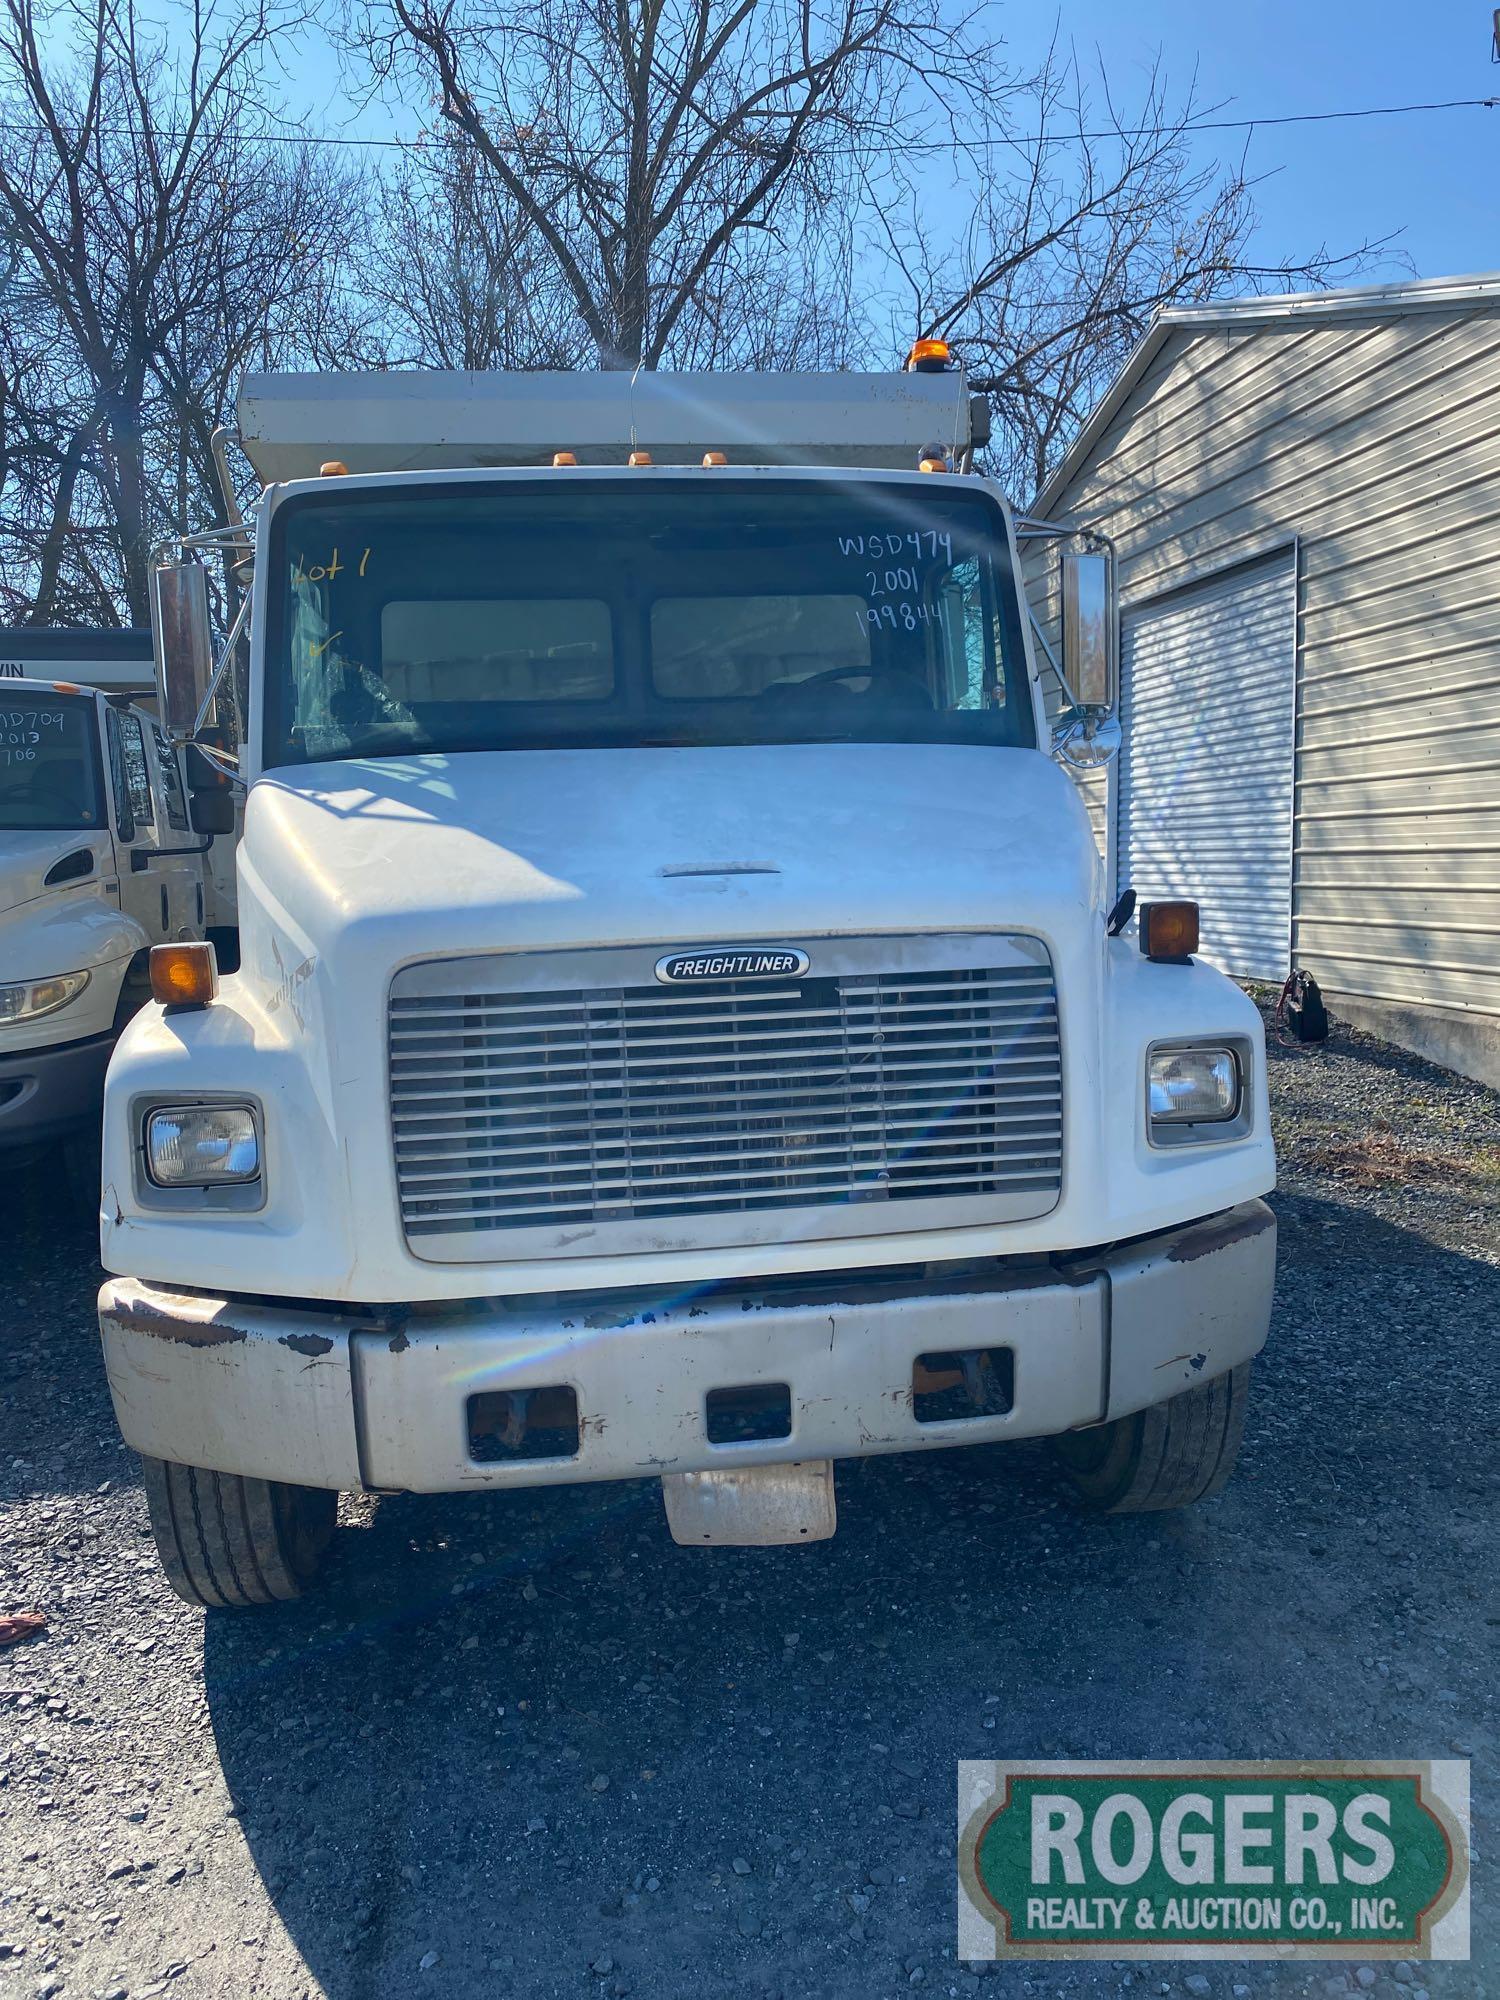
(534, 849)
(350, 871)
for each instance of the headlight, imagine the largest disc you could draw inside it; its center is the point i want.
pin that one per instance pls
(202, 1145)
(41, 996)
(1196, 1087)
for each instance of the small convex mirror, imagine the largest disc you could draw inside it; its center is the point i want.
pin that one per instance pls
(182, 640)
(1086, 737)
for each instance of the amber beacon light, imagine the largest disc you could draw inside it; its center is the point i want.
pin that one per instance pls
(1169, 931)
(184, 975)
(928, 357)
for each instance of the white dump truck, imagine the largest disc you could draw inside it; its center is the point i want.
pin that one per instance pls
(99, 862)
(682, 1029)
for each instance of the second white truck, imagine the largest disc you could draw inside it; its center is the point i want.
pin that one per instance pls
(99, 862)
(679, 1031)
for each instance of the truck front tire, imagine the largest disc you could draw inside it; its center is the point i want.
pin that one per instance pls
(224, 1540)
(1166, 1456)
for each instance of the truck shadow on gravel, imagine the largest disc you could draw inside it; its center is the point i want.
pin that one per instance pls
(521, 1743)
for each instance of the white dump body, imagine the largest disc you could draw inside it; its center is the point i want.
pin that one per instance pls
(292, 424)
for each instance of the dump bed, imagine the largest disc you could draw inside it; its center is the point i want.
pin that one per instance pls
(292, 424)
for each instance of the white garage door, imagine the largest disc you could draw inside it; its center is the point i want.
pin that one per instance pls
(1204, 796)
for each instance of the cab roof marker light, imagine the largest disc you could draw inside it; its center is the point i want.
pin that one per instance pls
(333, 468)
(564, 458)
(639, 458)
(714, 458)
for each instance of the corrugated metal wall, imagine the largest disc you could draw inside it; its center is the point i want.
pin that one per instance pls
(1377, 444)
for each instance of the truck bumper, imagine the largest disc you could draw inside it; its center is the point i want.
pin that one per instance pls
(616, 1389)
(49, 1092)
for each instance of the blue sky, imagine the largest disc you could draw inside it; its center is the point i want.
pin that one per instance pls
(1433, 176)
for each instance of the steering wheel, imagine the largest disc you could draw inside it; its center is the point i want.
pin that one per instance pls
(912, 687)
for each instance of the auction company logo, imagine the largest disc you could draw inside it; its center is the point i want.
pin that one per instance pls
(1215, 1860)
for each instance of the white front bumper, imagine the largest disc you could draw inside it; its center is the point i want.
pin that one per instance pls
(319, 1398)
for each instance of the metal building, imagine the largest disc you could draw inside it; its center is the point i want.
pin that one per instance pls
(1303, 499)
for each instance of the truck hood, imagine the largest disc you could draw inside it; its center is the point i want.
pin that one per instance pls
(25, 858)
(534, 849)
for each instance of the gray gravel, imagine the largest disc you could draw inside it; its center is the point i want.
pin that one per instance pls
(523, 1745)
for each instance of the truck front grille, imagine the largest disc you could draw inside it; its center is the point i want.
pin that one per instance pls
(534, 1109)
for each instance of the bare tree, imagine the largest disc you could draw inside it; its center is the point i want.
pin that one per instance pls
(679, 162)
(158, 248)
(1077, 236)
(457, 276)
(761, 183)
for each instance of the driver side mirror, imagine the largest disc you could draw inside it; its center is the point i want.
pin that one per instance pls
(182, 641)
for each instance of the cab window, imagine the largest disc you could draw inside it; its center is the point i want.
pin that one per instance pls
(174, 800)
(131, 774)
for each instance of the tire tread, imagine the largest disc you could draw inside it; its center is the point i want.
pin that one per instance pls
(223, 1540)
(1166, 1456)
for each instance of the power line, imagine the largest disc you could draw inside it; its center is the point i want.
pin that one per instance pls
(1059, 138)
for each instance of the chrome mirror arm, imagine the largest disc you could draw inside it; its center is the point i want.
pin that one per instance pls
(225, 661)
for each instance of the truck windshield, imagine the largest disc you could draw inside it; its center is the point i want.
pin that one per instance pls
(49, 764)
(648, 610)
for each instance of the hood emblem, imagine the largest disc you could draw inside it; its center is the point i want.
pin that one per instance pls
(690, 968)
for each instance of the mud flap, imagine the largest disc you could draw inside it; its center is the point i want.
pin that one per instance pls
(752, 1507)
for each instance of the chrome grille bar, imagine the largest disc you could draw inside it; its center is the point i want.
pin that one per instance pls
(596, 1104)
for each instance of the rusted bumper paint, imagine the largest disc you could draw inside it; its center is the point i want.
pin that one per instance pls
(253, 1389)
(313, 1397)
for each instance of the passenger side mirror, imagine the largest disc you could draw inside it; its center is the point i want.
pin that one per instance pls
(182, 640)
(1088, 631)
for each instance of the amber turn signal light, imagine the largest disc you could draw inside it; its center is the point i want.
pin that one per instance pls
(184, 975)
(1169, 931)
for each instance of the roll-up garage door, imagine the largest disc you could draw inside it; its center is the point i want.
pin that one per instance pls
(1204, 797)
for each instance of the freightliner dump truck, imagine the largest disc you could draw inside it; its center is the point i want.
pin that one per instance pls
(682, 1031)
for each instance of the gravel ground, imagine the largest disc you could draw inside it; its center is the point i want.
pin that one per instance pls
(523, 1745)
